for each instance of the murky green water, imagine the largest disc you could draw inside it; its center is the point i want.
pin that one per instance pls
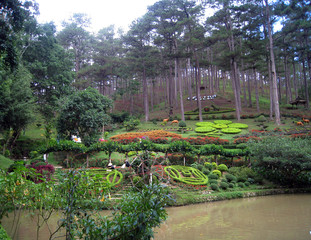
(278, 217)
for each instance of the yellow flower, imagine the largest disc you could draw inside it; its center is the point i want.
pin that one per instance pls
(26, 192)
(102, 199)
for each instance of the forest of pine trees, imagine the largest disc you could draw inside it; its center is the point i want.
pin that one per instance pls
(177, 50)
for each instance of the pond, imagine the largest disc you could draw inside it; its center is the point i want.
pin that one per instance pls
(270, 217)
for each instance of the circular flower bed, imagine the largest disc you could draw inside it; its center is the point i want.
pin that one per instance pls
(238, 125)
(204, 129)
(231, 130)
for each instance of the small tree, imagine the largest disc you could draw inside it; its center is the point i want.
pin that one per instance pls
(182, 125)
(84, 114)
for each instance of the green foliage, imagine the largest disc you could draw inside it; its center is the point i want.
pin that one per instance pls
(216, 172)
(224, 185)
(186, 175)
(238, 125)
(285, 161)
(213, 181)
(214, 187)
(182, 124)
(83, 114)
(215, 166)
(230, 177)
(231, 130)
(213, 176)
(261, 119)
(208, 165)
(241, 185)
(219, 126)
(131, 124)
(223, 122)
(204, 124)
(204, 129)
(231, 185)
(119, 117)
(222, 168)
(242, 173)
(3, 234)
(138, 182)
(16, 104)
(206, 171)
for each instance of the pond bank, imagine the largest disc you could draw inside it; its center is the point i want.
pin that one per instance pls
(183, 198)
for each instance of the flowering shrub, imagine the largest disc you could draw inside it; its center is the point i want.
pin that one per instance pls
(44, 171)
(245, 139)
(150, 134)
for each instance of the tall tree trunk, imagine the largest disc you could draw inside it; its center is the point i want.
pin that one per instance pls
(250, 104)
(274, 80)
(295, 79)
(198, 83)
(145, 95)
(256, 90)
(305, 81)
(180, 91)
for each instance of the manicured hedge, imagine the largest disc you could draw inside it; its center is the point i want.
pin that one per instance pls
(238, 125)
(204, 124)
(204, 129)
(231, 130)
(188, 175)
(226, 122)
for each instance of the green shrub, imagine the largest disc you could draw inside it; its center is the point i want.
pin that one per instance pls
(224, 180)
(241, 185)
(231, 185)
(131, 124)
(214, 187)
(214, 165)
(224, 185)
(213, 181)
(231, 130)
(204, 124)
(247, 183)
(212, 176)
(220, 126)
(261, 119)
(206, 171)
(238, 125)
(225, 122)
(208, 165)
(216, 172)
(3, 234)
(200, 167)
(204, 129)
(230, 177)
(222, 168)
(138, 182)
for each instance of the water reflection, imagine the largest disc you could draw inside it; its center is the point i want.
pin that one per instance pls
(284, 217)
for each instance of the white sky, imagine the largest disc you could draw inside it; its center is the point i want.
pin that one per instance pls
(103, 13)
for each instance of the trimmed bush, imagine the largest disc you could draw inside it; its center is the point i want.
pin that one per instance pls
(231, 185)
(188, 175)
(214, 187)
(230, 177)
(231, 130)
(214, 165)
(224, 185)
(206, 171)
(208, 165)
(204, 129)
(222, 168)
(241, 185)
(238, 125)
(212, 176)
(213, 181)
(224, 180)
(247, 183)
(216, 172)
(220, 126)
(204, 124)
(225, 122)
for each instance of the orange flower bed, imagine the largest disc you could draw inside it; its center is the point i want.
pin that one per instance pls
(155, 133)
